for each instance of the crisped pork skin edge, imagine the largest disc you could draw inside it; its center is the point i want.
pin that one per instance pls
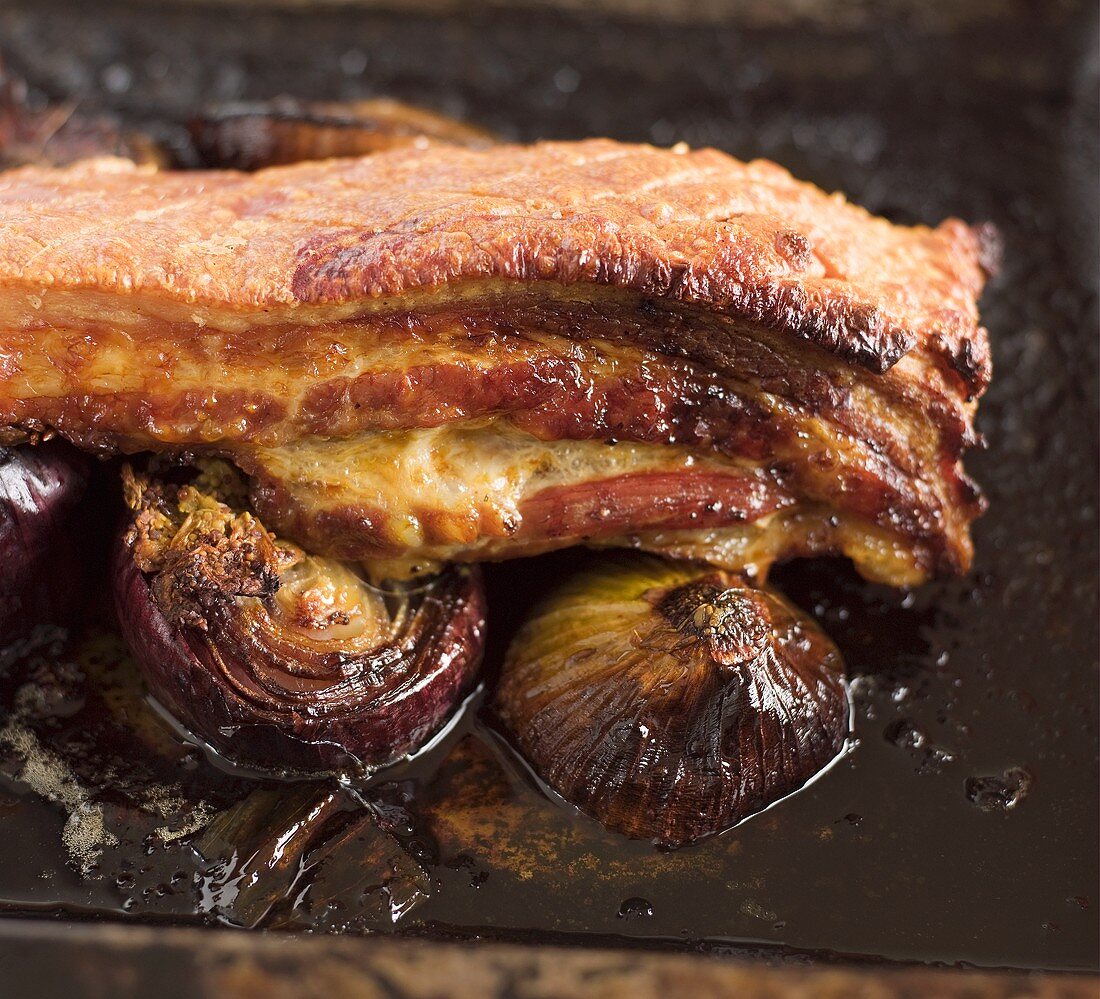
(572, 213)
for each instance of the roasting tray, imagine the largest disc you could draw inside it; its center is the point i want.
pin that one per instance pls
(918, 865)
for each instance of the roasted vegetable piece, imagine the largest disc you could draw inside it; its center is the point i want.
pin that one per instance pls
(34, 131)
(670, 701)
(279, 660)
(248, 136)
(40, 487)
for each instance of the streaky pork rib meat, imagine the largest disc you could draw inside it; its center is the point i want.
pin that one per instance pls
(439, 353)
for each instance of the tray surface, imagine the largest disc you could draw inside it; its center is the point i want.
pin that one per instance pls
(962, 828)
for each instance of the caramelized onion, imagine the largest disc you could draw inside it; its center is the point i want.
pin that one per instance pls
(35, 132)
(249, 136)
(670, 701)
(40, 486)
(277, 659)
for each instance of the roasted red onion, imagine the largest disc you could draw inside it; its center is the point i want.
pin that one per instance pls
(43, 134)
(40, 487)
(279, 660)
(248, 136)
(670, 701)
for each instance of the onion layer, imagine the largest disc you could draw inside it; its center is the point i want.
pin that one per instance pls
(40, 487)
(670, 701)
(250, 136)
(277, 659)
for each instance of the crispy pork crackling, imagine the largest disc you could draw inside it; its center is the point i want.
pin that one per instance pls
(452, 354)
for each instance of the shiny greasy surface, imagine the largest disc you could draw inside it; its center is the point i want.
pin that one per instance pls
(671, 701)
(40, 493)
(908, 849)
(483, 491)
(882, 451)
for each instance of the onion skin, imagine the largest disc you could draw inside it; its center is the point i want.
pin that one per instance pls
(276, 699)
(251, 136)
(60, 134)
(671, 701)
(40, 488)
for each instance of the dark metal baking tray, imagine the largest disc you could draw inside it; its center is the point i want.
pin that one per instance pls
(963, 828)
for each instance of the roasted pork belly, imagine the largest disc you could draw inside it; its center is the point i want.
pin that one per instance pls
(444, 353)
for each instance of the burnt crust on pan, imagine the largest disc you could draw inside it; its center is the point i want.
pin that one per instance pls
(693, 227)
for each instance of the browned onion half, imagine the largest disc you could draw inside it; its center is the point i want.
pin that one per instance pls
(279, 660)
(40, 488)
(34, 132)
(250, 136)
(670, 701)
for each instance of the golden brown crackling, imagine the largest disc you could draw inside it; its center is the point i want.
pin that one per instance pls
(693, 227)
